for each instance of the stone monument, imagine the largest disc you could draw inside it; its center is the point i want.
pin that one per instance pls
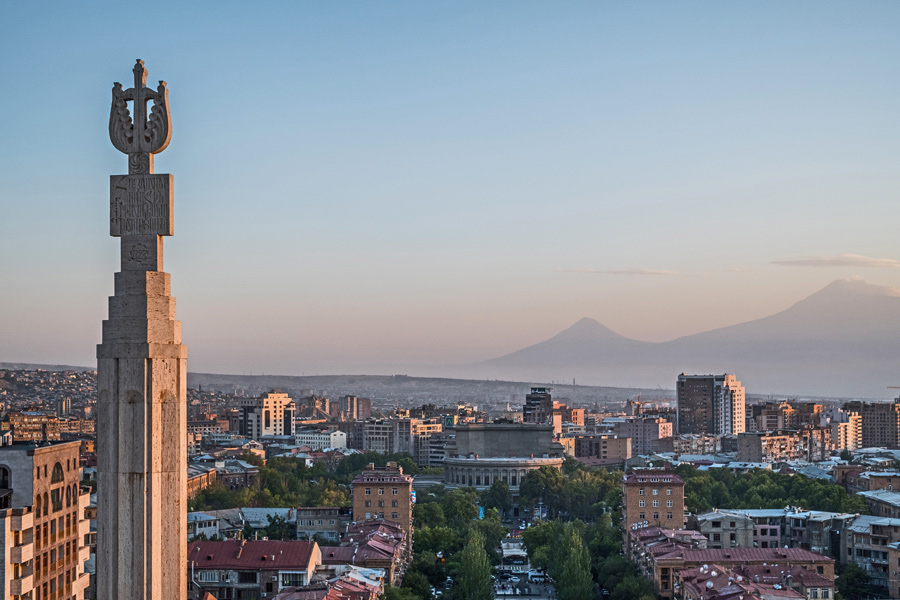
(142, 371)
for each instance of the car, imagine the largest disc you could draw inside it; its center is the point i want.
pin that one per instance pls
(513, 579)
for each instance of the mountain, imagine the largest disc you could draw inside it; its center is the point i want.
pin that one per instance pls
(842, 341)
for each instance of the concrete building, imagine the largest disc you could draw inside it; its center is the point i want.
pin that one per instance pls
(383, 493)
(652, 497)
(712, 404)
(879, 424)
(328, 522)
(272, 414)
(319, 439)
(724, 529)
(603, 449)
(643, 431)
(43, 524)
(847, 435)
(482, 453)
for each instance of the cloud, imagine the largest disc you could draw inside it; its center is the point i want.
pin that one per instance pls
(841, 260)
(622, 271)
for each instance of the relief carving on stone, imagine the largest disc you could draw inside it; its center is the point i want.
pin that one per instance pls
(143, 135)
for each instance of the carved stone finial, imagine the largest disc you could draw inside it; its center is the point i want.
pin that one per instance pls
(144, 135)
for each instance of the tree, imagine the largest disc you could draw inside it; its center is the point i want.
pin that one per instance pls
(279, 529)
(846, 455)
(497, 496)
(417, 583)
(460, 508)
(854, 582)
(429, 514)
(398, 593)
(475, 573)
(633, 587)
(574, 581)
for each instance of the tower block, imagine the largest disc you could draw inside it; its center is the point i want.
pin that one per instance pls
(142, 373)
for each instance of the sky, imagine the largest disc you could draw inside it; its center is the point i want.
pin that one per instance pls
(373, 186)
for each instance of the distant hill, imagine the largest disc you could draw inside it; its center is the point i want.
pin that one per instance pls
(844, 340)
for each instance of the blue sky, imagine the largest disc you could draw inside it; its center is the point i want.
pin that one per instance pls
(364, 186)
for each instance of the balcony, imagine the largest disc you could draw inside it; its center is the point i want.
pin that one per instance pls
(21, 554)
(21, 585)
(80, 583)
(84, 528)
(21, 522)
(84, 553)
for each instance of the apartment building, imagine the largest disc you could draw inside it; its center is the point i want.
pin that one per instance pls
(45, 524)
(272, 414)
(711, 404)
(383, 493)
(652, 497)
(249, 569)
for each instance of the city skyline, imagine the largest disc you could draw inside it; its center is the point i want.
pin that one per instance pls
(396, 184)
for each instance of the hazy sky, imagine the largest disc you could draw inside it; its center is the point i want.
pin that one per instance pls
(372, 184)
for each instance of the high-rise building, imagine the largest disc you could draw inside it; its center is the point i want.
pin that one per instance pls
(43, 524)
(880, 423)
(273, 414)
(710, 404)
(847, 435)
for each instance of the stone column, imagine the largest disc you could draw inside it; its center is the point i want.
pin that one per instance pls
(142, 375)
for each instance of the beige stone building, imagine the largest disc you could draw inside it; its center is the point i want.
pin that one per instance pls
(383, 493)
(43, 524)
(847, 435)
(272, 414)
(652, 497)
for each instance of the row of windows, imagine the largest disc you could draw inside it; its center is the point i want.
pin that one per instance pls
(368, 504)
(394, 491)
(655, 503)
(394, 516)
(655, 492)
(643, 516)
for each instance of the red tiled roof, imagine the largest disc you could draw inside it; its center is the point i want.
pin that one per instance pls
(772, 555)
(251, 554)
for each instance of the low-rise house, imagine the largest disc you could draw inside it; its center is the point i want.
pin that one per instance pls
(201, 524)
(328, 522)
(242, 569)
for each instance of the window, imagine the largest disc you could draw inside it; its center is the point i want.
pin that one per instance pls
(814, 594)
(826, 593)
(57, 473)
(368, 491)
(394, 491)
(669, 492)
(669, 516)
(717, 537)
(246, 577)
(717, 524)
(381, 491)
(655, 503)
(669, 503)
(381, 504)
(730, 524)
(656, 516)
(820, 570)
(733, 537)
(394, 516)
(641, 492)
(655, 492)
(641, 503)
(368, 504)
(641, 516)
(209, 576)
(292, 580)
(394, 503)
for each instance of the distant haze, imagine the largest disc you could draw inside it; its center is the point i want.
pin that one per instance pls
(842, 341)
